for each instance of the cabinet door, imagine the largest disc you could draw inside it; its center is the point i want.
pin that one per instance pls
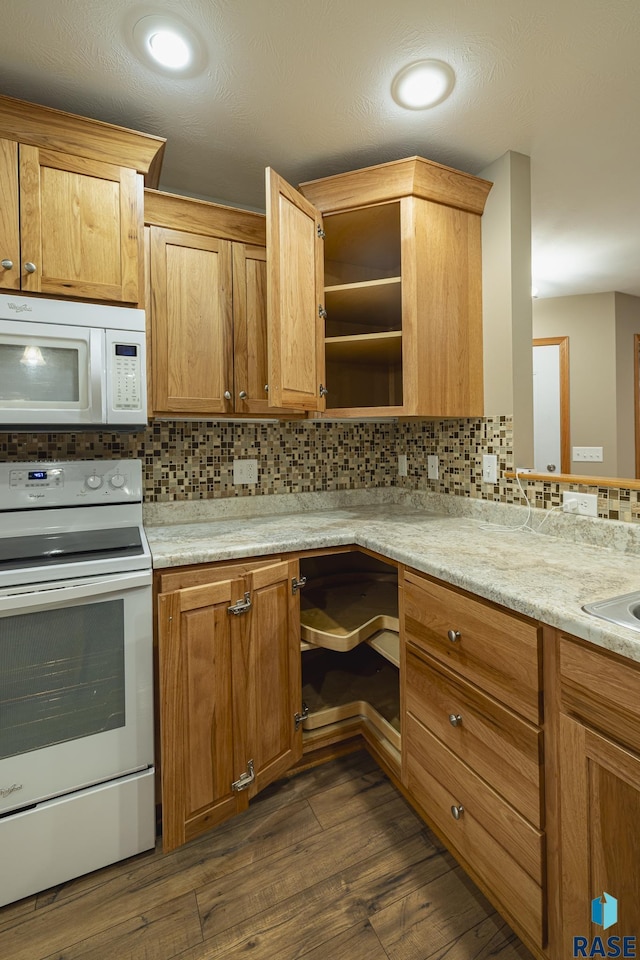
(9, 216)
(294, 298)
(81, 226)
(272, 671)
(192, 324)
(199, 765)
(600, 812)
(250, 365)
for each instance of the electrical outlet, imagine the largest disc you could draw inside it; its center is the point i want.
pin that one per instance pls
(402, 464)
(245, 471)
(593, 454)
(489, 468)
(584, 504)
(433, 467)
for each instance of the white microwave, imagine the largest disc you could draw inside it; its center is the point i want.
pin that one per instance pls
(71, 365)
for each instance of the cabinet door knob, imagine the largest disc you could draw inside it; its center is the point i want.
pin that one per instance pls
(457, 811)
(243, 394)
(7, 264)
(455, 719)
(227, 395)
(454, 635)
(30, 267)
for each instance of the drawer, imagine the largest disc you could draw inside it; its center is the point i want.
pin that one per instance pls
(498, 651)
(500, 847)
(602, 690)
(498, 744)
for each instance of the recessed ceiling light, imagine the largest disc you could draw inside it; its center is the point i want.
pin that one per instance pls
(167, 43)
(423, 84)
(170, 49)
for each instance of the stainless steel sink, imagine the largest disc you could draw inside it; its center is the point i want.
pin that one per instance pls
(624, 610)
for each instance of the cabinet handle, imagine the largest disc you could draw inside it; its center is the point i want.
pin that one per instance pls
(454, 635)
(7, 264)
(30, 267)
(455, 719)
(456, 812)
(243, 394)
(227, 395)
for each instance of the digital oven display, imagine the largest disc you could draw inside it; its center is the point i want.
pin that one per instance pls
(37, 474)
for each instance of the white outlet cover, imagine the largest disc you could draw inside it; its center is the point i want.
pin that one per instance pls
(433, 467)
(402, 465)
(245, 471)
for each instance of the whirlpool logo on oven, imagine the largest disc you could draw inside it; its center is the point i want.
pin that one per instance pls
(604, 913)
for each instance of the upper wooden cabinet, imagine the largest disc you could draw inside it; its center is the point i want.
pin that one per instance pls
(71, 220)
(294, 298)
(207, 315)
(400, 307)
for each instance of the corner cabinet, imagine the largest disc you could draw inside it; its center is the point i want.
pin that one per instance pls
(229, 690)
(207, 319)
(599, 753)
(71, 223)
(374, 292)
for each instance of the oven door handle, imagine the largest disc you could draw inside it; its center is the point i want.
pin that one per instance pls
(62, 593)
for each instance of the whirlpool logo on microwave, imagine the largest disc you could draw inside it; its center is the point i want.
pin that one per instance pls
(604, 913)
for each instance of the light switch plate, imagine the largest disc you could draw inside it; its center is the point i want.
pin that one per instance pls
(402, 464)
(245, 471)
(433, 467)
(489, 468)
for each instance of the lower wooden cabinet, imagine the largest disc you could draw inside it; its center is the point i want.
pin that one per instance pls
(599, 753)
(473, 744)
(537, 797)
(229, 689)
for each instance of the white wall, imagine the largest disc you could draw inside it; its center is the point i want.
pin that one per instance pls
(600, 328)
(506, 299)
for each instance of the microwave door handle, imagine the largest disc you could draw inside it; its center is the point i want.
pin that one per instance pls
(97, 367)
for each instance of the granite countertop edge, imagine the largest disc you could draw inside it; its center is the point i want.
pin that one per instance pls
(542, 577)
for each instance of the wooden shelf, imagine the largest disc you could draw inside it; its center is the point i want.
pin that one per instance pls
(363, 244)
(387, 644)
(370, 306)
(365, 348)
(340, 612)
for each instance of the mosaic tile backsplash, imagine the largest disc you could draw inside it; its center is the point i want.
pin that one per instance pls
(189, 460)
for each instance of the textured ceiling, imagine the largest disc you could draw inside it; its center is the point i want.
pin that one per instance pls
(303, 86)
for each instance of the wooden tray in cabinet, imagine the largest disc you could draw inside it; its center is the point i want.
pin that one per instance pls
(339, 612)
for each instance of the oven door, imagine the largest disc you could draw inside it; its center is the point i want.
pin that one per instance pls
(76, 687)
(51, 374)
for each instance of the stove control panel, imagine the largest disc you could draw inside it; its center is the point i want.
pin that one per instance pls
(69, 483)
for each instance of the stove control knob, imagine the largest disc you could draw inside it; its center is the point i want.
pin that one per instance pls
(117, 480)
(94, 482)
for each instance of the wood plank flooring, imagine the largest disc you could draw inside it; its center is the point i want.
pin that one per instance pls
(330, 865)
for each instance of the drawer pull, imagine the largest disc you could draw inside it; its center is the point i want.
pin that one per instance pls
(454, 635)
(456, 812)
(455, 719)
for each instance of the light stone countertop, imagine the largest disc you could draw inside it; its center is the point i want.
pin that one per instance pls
(542, 576)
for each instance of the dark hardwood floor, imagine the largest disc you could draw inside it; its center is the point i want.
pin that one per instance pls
(330, 865)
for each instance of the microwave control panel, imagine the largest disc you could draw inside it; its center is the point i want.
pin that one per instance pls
(126, 375)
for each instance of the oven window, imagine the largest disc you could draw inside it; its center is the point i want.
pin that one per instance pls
(61, 675)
